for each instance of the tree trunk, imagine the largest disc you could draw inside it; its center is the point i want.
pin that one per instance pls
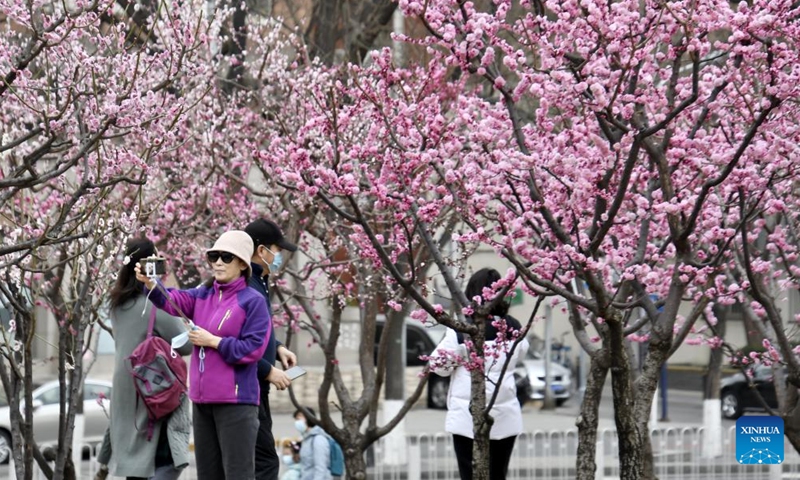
(355, 465)
(373, 16)
(324, 30)
(631, 454)
(396, 356)
(353, 449)
(648, 465)
(481, 420)
(645, 389)
(238, 45)
(712, 421)
(752, 332)
(482, 427)
(23, 448)
(351, 27)
(27, 389)
(717, 355)
(644, 392)
(588, 419)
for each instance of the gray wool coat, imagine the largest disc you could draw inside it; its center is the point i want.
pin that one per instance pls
(127, 451)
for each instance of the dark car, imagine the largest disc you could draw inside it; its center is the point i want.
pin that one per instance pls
(421, 340)
(737, 397)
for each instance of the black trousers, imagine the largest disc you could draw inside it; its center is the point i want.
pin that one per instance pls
(267, 462)
(499, 456)
(225, 440)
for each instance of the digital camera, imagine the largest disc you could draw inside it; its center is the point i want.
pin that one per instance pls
(154, 266)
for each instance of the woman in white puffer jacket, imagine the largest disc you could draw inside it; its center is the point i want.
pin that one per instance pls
(506, 410)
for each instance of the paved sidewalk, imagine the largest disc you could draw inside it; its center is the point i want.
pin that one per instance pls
(685, 408)
(430, 421)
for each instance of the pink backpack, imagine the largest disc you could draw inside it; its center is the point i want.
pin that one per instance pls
(159, 376)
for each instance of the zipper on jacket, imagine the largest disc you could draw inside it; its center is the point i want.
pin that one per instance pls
(225, 317)
(202, 356)
(220, 294)
(236, 390)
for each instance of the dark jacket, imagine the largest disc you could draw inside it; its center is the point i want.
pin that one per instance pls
(267, 362)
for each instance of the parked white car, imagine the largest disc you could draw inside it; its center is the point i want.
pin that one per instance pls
(560, 382)
(46, 401)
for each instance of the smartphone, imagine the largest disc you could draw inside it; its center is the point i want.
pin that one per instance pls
(295, 372)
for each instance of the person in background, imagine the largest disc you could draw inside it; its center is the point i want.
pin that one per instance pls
(232, 328)
(315, 453)
(127, 450)
(506, 411)
(267, 258)
(291, 458)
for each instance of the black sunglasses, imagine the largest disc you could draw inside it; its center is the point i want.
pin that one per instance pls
(225, 256)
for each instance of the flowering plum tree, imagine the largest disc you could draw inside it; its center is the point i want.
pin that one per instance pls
(764, 275)
(616, 136)
(622, 155)
(91, 98)
(598, 146)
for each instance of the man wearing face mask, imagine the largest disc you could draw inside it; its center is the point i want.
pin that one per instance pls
(267, 258)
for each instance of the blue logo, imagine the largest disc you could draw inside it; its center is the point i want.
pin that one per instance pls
(759, 440)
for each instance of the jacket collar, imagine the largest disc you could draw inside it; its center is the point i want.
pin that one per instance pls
(234, 286)
(258, 270)
(315, 430)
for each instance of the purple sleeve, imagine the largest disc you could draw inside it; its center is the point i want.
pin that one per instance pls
(249, 346)
(183, 299)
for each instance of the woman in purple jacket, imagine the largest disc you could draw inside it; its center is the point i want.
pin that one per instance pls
(232, 331)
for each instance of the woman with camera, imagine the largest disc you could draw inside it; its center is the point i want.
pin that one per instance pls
(134, 456)
(231, 330)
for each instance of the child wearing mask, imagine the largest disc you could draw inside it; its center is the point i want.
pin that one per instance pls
(291, 459)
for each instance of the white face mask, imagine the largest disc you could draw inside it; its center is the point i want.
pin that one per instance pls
(180, 340)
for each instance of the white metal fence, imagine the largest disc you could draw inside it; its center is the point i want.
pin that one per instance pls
(551, 455)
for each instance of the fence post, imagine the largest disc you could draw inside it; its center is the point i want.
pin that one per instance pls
(652, 423)
(712, 422)
(12, 472)
(395, 442)
(414, 460)
(600, 461)
(776, 471)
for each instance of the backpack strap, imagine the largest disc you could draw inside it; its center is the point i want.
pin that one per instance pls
(328, 439)
(152, 322)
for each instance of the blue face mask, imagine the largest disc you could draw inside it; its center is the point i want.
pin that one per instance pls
(300, 425)
(288, 460)
(277, 261)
